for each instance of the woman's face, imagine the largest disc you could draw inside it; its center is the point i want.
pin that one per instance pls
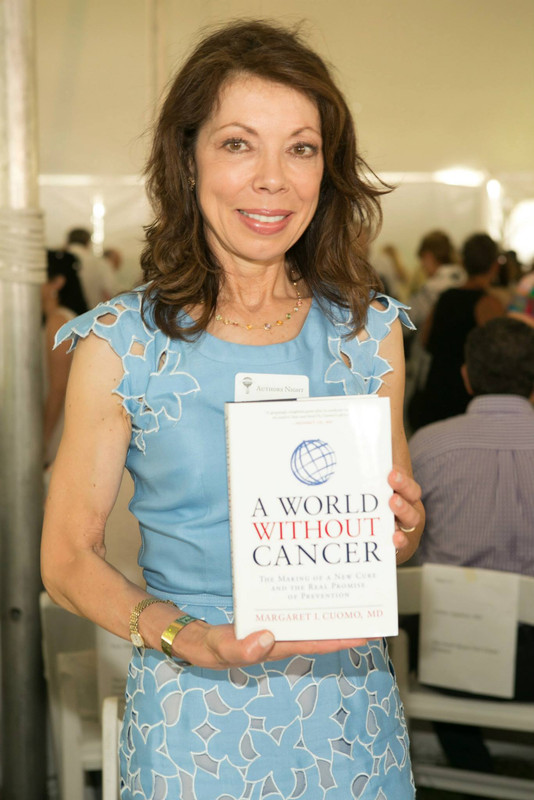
(259, 165)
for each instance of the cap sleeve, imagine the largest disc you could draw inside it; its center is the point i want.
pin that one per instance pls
(118, 332)
(367, 367)
(379, 321)
(120, 323)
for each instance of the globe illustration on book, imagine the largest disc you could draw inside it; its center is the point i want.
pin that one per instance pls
(313, 462)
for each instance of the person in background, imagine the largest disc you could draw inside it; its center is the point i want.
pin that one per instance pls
(457, 311)
(70, 292)
(251, 264)
(522, 303)
(506, 278)
(441, 271)
(114, 257)
(477, 474)
(514, 267)
(389, 265)
(62, 300)
(98, 277)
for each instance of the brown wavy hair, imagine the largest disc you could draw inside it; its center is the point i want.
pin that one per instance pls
(177, 263)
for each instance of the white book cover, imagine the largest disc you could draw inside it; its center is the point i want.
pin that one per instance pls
(311, 528)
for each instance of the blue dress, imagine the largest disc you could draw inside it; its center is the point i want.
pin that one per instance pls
(324, 727)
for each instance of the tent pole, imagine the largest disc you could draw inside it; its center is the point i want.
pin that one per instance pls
(22, 261)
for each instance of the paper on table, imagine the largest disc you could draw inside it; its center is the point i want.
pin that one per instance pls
(468, 629)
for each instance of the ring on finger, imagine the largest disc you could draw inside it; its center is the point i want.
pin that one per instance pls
(407, 530)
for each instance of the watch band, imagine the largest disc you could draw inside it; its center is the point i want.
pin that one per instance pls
(135, 636)
(169, 634)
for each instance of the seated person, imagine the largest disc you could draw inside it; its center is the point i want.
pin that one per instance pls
(477, 472)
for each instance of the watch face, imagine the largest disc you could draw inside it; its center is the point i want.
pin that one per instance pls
(137, 639)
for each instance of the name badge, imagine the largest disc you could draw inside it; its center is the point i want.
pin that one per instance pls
(250, 386)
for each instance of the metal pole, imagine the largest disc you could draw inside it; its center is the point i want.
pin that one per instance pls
(21, 272)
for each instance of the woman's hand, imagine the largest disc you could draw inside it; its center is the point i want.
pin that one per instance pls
(409, 515)
(216, 647)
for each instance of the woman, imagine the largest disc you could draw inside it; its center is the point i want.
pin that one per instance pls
(61, 299)
(251, 264)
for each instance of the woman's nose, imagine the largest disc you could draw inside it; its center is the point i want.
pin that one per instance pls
(270, 173)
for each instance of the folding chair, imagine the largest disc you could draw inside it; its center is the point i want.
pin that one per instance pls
(424, 703)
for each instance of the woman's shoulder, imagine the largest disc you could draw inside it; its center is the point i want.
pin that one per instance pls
(119, 320)
(382, 312)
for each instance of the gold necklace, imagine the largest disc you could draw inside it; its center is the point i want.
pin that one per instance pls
(267, 326)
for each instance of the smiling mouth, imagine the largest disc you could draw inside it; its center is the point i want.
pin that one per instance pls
(263, 217)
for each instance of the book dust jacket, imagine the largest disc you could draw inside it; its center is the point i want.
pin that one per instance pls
(311, 528)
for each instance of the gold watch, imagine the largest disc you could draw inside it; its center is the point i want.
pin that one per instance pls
(135, 636)
(169, 634)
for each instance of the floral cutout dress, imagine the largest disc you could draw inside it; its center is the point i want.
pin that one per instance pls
(320, 727)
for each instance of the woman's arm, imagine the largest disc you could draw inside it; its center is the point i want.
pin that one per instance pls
(406, 500)
(85, 482)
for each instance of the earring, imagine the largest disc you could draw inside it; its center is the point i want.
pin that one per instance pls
(192, 182)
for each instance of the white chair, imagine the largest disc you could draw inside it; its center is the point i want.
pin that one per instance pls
(79, 723)
(84, 663)
(77, 682)
(424, 703)
(69, 656)
(112, 713)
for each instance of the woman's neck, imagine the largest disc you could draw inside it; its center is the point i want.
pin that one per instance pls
(478, 282)
(251, 291)
(260, 307)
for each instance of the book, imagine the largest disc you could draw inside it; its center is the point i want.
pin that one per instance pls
(311, 528)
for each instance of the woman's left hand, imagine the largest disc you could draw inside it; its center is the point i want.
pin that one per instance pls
(409, 513)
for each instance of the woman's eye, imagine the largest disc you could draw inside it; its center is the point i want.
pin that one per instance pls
(304, 149)
(235, 145)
